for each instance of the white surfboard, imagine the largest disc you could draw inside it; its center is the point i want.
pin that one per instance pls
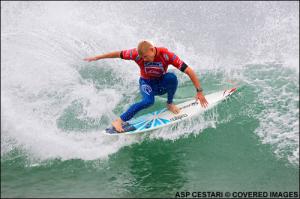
(164, 117)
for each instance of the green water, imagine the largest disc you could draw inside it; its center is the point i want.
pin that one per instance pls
(228, 158)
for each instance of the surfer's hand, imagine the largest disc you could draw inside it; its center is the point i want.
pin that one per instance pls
(89, 59)
(202, 99)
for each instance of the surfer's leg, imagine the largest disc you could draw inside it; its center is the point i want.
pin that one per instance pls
(148, 100)
(170, 83)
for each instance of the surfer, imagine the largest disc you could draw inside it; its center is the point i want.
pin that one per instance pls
(155, 80)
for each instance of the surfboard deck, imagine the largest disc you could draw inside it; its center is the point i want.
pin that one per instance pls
(163, 117)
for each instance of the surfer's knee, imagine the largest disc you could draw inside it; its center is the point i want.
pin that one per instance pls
(171, 78)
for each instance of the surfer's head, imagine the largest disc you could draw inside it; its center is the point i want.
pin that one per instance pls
(146, 50)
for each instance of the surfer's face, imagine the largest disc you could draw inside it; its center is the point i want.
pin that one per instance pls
(148, 56)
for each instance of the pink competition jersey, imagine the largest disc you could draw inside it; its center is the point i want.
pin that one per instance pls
(159, 66)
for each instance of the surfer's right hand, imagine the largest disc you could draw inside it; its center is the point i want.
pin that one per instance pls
(89, 59)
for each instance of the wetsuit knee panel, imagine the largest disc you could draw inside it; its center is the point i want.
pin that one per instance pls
(171, 78)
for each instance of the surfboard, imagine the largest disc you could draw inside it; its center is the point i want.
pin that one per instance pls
(163, 117)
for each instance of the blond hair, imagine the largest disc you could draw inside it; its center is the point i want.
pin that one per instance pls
(143, 46)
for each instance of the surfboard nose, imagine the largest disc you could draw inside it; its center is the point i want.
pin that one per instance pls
(232, 90)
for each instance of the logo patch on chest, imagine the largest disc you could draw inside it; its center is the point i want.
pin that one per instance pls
(154, 68)
(153, 64)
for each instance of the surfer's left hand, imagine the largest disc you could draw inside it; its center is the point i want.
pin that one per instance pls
(202, 99)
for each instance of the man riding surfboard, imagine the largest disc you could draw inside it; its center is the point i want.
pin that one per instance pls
(155, 80)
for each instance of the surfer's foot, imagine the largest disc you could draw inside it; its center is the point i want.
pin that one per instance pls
(118, 125)
(173, 108)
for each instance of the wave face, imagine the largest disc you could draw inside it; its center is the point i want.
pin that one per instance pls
(54, 105)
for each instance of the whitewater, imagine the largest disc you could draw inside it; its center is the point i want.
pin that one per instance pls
(54, 105)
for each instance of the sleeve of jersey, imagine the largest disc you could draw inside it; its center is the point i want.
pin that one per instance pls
(176, 61)
(130, 54)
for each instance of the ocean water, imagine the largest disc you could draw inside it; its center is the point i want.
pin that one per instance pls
(54, 105)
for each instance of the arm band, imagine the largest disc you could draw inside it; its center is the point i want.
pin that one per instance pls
(121, 55)
(183, 67)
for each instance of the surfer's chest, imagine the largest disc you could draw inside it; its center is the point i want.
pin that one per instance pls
(155, 68)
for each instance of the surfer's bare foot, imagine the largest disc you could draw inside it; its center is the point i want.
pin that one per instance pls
(118, 125)
(173, 108)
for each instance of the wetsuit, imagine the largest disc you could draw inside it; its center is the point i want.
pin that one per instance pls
(154, 78)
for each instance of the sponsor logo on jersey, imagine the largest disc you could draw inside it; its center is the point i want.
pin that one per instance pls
(153, 64)
(166, 57)
(154, 71)
(154, 68)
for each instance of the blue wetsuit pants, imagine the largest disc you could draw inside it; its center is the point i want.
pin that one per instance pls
(149, 88)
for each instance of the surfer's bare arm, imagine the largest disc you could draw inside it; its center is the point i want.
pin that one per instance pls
(190, 72)
(115, 54)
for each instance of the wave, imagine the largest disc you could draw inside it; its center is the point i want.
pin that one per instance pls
(54, 105)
